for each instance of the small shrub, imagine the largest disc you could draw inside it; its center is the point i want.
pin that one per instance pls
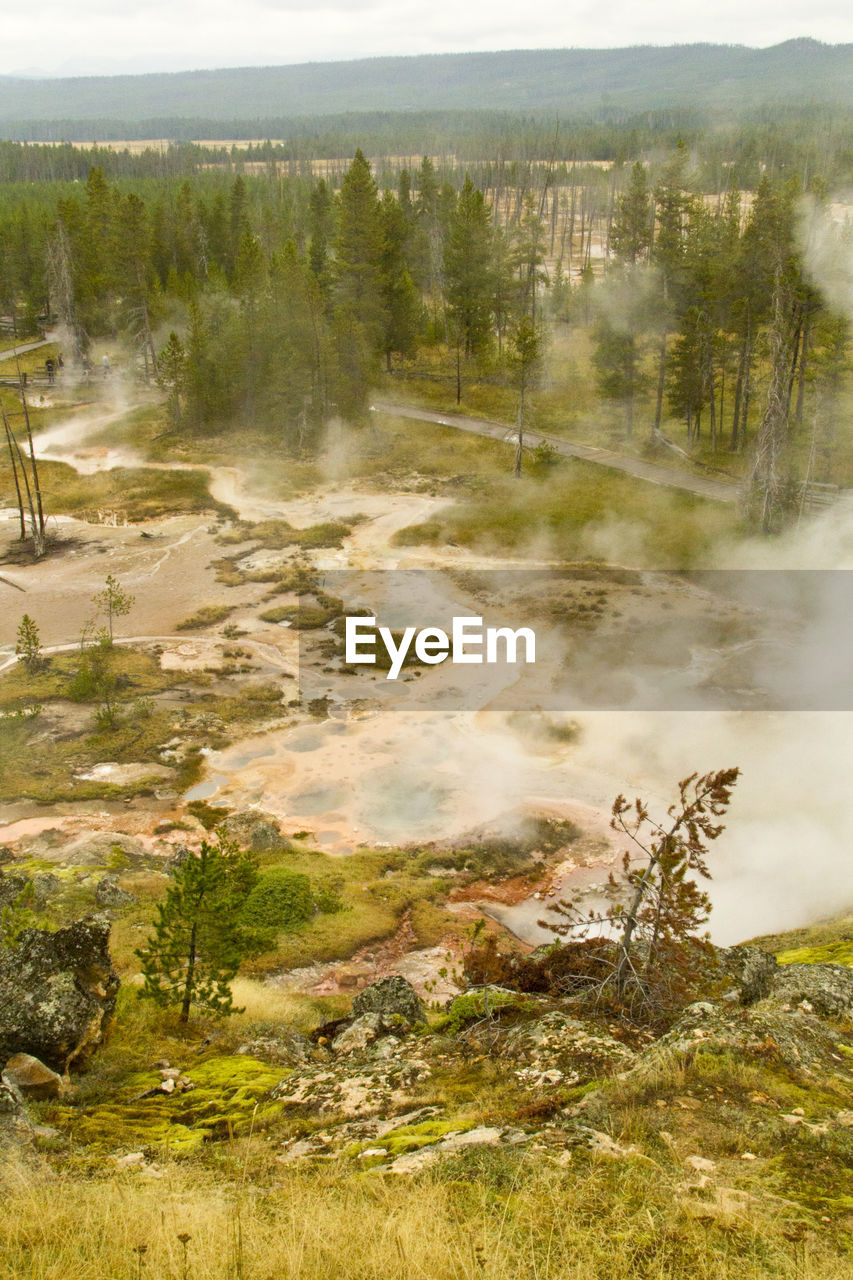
(280, 902)
(207, 616)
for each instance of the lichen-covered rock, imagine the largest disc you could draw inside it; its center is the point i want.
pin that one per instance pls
(109, 893)
(45, 886)
(374, 1088)
(798, 1040)
(11, 886)
(102, 848)
(13, 1113)
(827, 988)
(6, 855)
(255, 830)
(365, 1031)
(556, 1049)
(284, 1048)
(752, 970)
(266, 838)
(390, 996)
(57, 993)
(31, 1077)
(176, 859)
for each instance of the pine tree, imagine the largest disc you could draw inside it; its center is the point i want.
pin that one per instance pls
(114, 601)
(630, 234)
(400, 297)
(320, 224)
(28, 646)
(468, 272)
(358, 251)
(198, 945)
(172, 374)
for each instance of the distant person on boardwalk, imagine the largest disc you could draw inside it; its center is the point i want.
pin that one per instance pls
(84, 362)
(60, 363)
(50, 369)
(106, 366)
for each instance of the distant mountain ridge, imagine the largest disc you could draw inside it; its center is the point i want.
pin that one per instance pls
(557, 81)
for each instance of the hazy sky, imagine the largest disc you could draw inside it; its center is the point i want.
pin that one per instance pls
(98, 36)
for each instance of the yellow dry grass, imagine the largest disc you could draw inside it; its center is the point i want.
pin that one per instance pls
(530, 1221)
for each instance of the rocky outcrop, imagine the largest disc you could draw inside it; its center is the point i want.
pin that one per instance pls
(752, 970)
(284, 1047)
(365, 1031)
(255, 830)
(390, 996)
(11, 886)
(797, 1039)
(45, 886)
(559, 1050)
(57, 993)
(109, 893)
(13, 1113)
(826, 989)
(97, 849)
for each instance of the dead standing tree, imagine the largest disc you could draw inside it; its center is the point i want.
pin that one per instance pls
(24, 467)
(768, 482)
(656, 905)
(60, 275)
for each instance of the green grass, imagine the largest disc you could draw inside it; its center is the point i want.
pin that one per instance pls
(207, 616)
(577, 511)
(39, 764)
(28, 361)
(140, 670)
(133, 494)
(825, 942)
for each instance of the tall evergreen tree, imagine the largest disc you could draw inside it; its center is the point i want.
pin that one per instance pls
(198, 944)
(468, 271)
(359, 247)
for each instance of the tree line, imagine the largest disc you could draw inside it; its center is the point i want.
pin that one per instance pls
(275, 301)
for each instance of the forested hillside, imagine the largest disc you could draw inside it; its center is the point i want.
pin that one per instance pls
(554, 81)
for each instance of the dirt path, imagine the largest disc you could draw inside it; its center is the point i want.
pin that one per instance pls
(25, 347)
(652, 472)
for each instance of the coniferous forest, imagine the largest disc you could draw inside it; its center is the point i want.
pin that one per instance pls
(272, 292)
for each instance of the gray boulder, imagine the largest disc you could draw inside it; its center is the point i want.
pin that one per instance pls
(176, 860)
(255, 830)
(365, 1031)
(108, 893)
(57, 993)
(266, 838)
(752, 970)
(102, 848)
(390, 996)
(284, 1047)
(13, 1113)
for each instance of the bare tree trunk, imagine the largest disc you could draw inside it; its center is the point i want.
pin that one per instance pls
(766, 481)
(801, 385)
(189, 981)
(519, 448)
(13, 460)
(661, 384)
(33, 464)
